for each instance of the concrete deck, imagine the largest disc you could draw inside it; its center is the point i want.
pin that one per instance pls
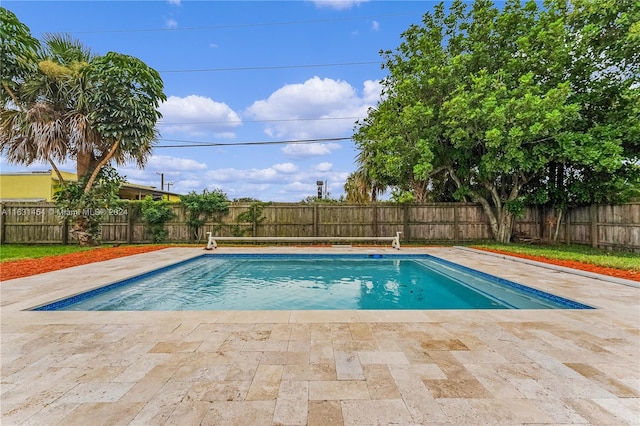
(320, 367)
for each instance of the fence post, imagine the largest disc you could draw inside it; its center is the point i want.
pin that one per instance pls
(406, 232)
(567, 227)
(456, 224)
(374, 223)
(594, 225)
(129, 224)
(2, 226)
(65, 230)
(315, 219)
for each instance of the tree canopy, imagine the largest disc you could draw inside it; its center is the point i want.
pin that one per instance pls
(61, 101)
(499, 105)
(18, 51)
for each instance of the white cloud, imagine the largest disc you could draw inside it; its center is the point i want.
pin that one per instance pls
(213, 45)
(309, 150)
(174, 2)
(246, 190)
(237, 175)
(375, 25)
(198, 116)
(285, 167)
(283, 182)
(171, 23)
(187, 185)
(185, 173)
(167, 163)
(39, 166)
(372, 92)
(338, 4)
(333, 106)
(323, 167)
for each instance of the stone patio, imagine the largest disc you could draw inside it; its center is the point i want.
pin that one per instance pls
(320, 367)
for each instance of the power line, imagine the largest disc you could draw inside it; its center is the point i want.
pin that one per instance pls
(230, 26)
(173, 123)
(275, 67)
(196, 144)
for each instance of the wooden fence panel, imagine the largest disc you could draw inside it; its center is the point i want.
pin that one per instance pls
(434, 222)
(287, 220)
(530, 223)
(619, 226)
(32, 223)
(345, 220)
(391, 219)
(605, 226)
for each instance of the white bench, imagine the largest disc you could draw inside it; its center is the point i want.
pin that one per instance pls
(213, 241)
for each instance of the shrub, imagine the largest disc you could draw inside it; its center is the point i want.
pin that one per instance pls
(155, 215)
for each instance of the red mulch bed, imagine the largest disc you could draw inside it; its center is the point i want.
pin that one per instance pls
(613, 272)
(24, 268)
(27, 267)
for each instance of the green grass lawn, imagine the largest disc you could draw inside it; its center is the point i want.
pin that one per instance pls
(25, 251)
(586, 254)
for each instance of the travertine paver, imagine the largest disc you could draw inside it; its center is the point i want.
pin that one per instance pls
(319, 367)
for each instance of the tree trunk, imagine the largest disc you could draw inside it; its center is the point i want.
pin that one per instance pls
(84, 164)
(80, 226)
(106, 158)
(500, 220)
(57, 171)
(505, 227)
(555, 235)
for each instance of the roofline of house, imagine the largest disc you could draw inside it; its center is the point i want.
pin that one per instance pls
(126, 184)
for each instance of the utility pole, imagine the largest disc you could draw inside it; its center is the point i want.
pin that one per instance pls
(161, 181)
(168, 187)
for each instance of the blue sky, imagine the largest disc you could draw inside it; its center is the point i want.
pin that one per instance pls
(240, 71)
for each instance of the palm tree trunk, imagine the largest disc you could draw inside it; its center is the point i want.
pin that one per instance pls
(102, 162)
(55, 169)
(85, 164)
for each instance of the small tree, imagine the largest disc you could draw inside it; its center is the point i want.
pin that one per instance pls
(253, 216)
(155, 215)
(201, 207)
(87, 209)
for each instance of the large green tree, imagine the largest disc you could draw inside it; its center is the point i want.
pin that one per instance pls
(602, 161)
(486, 98)
(61, 102)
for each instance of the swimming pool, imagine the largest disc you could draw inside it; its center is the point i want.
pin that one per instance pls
(305, 282)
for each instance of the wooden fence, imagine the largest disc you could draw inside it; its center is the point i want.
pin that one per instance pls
(599, 225)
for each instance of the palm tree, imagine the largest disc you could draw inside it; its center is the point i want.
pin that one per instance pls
(366, 182)
(41, 121)
(61, 102)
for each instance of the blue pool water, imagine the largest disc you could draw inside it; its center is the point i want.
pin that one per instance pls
(300, 282)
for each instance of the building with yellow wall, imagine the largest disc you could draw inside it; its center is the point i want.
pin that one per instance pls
(40, 186)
